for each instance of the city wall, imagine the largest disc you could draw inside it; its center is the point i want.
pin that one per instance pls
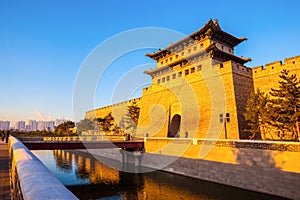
(267, 77)
(117, 110)
(267, 167)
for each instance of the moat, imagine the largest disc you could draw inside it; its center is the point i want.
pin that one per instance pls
(88, 178)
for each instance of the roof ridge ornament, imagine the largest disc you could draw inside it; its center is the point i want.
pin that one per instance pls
(216, 23)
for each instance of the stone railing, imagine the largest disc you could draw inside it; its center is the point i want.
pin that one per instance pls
(31, 179)
(75, 139)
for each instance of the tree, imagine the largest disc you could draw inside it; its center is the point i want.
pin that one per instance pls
(256, 114)
(64, 128)
(87, 125)
(107, 123)
(281, 111)
(131, 118)
(285, 106)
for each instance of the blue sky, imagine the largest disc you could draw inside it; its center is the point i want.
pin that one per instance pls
(44, 43)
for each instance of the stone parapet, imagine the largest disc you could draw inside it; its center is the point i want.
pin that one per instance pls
(31, 179)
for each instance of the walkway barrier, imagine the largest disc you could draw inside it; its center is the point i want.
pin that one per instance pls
(93, 138)
(31, 179)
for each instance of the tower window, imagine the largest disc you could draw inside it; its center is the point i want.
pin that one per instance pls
(221, 65)
(179, 74)
(186, 72)
(192, 69)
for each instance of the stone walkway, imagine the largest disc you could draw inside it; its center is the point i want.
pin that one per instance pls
(5, 171)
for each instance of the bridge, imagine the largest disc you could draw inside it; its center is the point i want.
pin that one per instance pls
(84, 142)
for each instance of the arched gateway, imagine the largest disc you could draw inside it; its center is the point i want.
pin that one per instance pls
(174, 126)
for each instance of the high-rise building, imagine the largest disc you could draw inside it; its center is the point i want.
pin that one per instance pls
(27, 127)
(59, 121)
(33, 125)
(49, 125)
(41, 125)
(4, 125)
(45, 125)
(20, 125)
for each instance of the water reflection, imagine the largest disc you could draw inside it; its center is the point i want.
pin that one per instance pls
(63, 160)
(88, 178)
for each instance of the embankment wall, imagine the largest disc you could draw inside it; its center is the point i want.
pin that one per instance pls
(267, 167)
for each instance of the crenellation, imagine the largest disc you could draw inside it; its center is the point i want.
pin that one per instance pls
(101, 112)
(258, 68)
(276, 67)
(267, 77)
(242, 70)
(292, 60)
(273, 64)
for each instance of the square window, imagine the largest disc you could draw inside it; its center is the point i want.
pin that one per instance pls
(173, 76)
(168, 78)
(167, 61)
(201, 45)
(221, 65)
(189, 51)
(192, 69)
(171, 59)
(162, 62)
(182, 53)
(176, 56)
(158, 81)
(186, 72)
(195, 48)
(179, 74)
(163, 80)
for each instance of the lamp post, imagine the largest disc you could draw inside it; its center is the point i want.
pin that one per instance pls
(225, 120)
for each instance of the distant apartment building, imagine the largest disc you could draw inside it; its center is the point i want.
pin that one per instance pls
(20, 125)
(59, 121)
(49, 125)
(27, 127)
(45, 125)
(33, 125)
(4, 125)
